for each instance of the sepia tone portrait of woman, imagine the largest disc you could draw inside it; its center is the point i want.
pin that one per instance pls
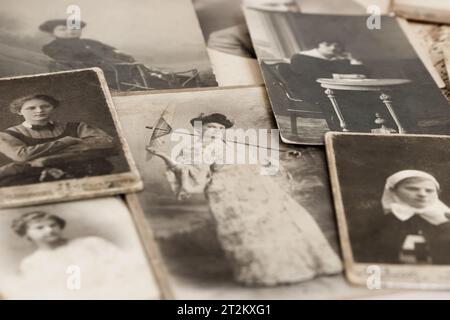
(268, 238)
(40, 136)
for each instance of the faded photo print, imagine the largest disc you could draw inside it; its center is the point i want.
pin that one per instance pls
(78, 250)
(138, 51)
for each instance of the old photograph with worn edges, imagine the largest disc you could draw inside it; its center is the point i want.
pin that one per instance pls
(226, 230)
(392, 200)
(60, 140)
(326, 80)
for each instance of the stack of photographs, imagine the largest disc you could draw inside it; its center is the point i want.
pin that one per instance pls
(385, 121)
(227, 231)
(127, 173)
(61, 143)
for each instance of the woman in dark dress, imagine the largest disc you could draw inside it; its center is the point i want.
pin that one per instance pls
(327, 58)
(122, 72)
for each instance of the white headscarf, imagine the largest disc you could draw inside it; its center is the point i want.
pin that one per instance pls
(435, 213)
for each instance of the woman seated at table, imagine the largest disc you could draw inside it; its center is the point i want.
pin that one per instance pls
(40, 136)
(328, 57)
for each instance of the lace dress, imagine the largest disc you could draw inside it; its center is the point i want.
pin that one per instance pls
(268, 237)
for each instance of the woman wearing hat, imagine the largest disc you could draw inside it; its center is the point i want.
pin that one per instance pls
(69, 48)
(40, 136)
(70, 51)
(268, 238)
(416, 225)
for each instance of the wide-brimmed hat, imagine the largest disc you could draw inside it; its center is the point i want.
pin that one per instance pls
(213, 117)
(50, 25)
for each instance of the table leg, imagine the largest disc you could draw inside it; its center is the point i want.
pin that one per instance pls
(294, 123)
(388, 103)
(331, 96)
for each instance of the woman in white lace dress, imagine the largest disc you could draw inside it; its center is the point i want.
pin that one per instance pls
(268, 237)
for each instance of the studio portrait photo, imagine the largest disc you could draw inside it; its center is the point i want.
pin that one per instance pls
(56, 128)
(393, 202)
(227, 230)
(85, 249)
(372, 81)
(136, 52)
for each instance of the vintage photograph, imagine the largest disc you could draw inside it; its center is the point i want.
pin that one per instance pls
(228, 40)
(226, 229)
(60, 140)
(136, 51)
(370, 82)
(393, 211)
(225, 30)
(76, 250)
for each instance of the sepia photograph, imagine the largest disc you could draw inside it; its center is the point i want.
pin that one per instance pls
(370, 82)
(137, 51)
(60, 139)
(393, 206)
(76, 250)
(228, 40)
(225, 229)
(225, 30)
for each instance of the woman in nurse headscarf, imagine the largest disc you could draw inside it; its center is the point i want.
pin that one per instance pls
(417, 227)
